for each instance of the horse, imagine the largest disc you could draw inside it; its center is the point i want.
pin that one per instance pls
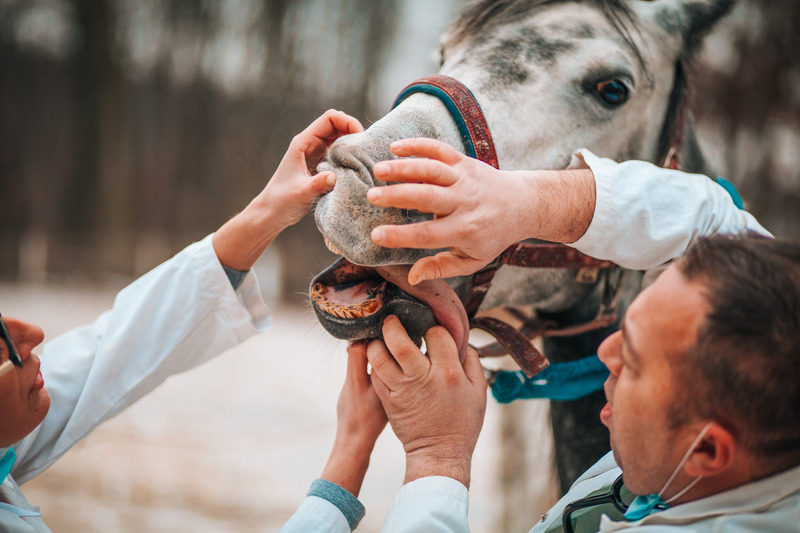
(551, 76)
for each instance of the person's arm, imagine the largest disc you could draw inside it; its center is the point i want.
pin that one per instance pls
(331, 503)
(435, 407)
(176, 316)
(646, 216)
(649, 214)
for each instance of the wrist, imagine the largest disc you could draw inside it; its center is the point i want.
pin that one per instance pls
(347, 464)
(245, 237)
(560, 204)
(452, 465)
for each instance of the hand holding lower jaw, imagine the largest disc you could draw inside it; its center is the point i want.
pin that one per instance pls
(434, 404)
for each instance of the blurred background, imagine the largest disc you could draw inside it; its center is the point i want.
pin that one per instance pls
(129, 129)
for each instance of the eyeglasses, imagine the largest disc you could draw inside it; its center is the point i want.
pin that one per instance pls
(13, 357)
(588, 510)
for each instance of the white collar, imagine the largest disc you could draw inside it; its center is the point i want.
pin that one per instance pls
(752, 497)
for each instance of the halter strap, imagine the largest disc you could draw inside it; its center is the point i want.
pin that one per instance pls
(464, 110)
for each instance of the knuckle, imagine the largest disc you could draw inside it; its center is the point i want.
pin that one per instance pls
(424, 234)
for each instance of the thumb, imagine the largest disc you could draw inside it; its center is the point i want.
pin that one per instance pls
(322, 183)
(443, 265)
(474, 369)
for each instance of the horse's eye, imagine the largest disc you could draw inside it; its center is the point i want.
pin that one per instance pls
(613, 92)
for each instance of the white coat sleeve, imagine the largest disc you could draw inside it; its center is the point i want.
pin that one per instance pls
(173, 318)
(433, 504)
(317, 515)
(646, 216)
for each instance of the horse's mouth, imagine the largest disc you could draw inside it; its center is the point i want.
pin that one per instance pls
(352, 301)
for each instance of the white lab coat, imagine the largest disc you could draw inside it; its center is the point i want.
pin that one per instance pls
(179, 315)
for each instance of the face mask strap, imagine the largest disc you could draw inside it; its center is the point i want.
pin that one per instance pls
(680, 465)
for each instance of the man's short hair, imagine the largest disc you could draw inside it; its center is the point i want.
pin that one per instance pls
(744, 372)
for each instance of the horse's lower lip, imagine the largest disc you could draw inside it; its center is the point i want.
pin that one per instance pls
(364, 319)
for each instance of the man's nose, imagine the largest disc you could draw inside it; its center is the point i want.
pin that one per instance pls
(24, 335)
(609, 352)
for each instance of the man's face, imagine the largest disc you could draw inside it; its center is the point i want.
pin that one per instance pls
(660, 326)
(23, 399)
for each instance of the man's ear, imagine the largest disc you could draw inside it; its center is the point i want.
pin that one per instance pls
(714, 454)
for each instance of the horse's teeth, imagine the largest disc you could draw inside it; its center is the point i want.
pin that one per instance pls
(359, 310)
(331, 246)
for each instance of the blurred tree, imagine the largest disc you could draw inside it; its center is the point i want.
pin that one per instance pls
(747, 104)
(128, 128)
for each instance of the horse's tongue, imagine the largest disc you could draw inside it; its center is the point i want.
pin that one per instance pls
(446, 307)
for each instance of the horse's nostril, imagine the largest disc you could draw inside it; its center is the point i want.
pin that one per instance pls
(344, 157)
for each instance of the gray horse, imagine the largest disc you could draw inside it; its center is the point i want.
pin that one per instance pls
(551, 76)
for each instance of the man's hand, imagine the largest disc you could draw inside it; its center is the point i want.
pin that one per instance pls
(434, 404)
(478, 211)
(360, 420)
(288, 195)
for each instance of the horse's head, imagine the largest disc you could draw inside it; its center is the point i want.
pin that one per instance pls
(551, 76)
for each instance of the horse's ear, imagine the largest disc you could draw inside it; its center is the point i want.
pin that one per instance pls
(692, 19)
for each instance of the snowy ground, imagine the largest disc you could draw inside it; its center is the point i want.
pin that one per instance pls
(232, 445)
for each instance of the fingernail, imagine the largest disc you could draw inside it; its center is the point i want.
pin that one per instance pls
(374, 194)
(380, 168)
(330, 180)
(378, 234)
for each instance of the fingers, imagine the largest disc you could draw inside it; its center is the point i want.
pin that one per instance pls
(322, 183)
(343, 123)
(412, 361)
(357, 364)
(385, 370)
(474, 370)
(443, 265)
(429, 234)
(442, 349)
(424, 198)
(332, 123)
(415, 170)
(429, 148)
(313, 141)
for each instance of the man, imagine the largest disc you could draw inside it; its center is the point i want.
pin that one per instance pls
(702, 394)
(439, 442)
(701, 406)
(187, 310)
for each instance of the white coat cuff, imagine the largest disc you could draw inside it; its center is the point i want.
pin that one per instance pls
(433, 504)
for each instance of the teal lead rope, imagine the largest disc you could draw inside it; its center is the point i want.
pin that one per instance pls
(559, 381)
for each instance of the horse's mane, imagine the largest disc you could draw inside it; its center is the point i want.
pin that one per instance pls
(481, 15)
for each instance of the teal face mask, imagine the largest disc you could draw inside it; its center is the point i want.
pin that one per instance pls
(643, 506)
(6, 463)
